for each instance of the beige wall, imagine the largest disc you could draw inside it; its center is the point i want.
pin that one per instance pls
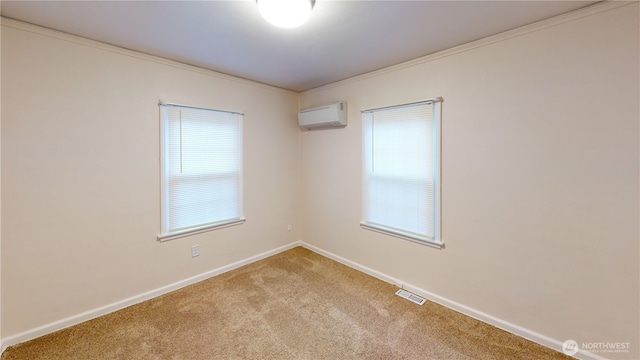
(539, 177)
(80, 174)
(0, 190)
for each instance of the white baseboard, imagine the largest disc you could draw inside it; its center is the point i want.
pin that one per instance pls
(94, 313)
(466, 310)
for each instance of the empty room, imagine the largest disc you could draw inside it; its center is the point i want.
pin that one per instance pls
(373, 180)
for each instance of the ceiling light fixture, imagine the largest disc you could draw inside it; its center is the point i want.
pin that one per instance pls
(286, 13)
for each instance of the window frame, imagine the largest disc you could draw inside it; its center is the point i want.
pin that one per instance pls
(405, 234)
(166, 179)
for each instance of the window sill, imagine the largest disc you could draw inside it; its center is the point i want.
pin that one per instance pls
(179, 234)
(404, 236)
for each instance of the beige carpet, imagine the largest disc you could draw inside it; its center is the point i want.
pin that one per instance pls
(294, 305)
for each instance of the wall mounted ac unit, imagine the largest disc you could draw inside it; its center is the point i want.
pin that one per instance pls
(327, 116)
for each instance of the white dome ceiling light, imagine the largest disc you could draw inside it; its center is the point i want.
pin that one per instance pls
(286, 13)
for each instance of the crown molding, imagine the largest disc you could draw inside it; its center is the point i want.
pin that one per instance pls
(503, 36)
(60, 35)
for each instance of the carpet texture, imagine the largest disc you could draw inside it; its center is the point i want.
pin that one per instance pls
(293, 305)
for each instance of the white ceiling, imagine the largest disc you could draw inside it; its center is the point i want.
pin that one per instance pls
(341, 39)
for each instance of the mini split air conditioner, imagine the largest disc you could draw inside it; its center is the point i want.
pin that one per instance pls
(327, 116)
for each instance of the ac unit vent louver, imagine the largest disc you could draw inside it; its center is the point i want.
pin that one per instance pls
(327, 116)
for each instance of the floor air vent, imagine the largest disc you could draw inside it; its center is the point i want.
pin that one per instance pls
(411, 297)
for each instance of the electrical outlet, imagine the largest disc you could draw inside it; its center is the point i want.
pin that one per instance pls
(195, 250)
(289, 227)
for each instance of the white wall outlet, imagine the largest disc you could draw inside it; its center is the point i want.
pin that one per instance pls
(195, 250)
(289, 227)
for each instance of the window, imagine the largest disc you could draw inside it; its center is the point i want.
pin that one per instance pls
(402, 171)
(201, 170)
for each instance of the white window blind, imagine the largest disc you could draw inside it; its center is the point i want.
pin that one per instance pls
(402, 171)
(201, 169)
